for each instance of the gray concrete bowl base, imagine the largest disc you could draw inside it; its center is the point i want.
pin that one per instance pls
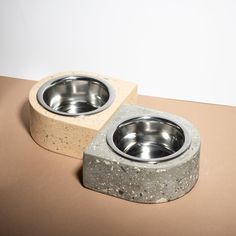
(108, 172)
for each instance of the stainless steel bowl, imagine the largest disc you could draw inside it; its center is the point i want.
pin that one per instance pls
(75, 95)
(148, 139)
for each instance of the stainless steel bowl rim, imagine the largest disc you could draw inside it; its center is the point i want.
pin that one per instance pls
(184, 148)
(56, 80)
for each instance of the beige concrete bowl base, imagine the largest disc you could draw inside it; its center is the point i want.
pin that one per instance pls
(71, 135)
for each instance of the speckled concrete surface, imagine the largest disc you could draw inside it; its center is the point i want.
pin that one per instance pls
(107, 172)
(71, 135)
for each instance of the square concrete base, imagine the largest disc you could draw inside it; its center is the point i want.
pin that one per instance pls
(71, 135)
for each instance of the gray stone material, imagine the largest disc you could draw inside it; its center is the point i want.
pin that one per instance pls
(107, 172)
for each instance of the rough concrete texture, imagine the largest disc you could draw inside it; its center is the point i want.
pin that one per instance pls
(107, 172)
(71, 135)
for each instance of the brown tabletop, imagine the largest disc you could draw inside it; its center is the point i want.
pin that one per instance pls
(41, 192)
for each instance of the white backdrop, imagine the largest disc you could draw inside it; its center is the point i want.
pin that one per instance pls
(176, 49)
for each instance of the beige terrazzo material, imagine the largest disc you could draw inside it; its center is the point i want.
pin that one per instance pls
(71, 135)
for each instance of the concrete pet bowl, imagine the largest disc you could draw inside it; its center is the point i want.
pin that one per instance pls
(149, 157)
(68, 109)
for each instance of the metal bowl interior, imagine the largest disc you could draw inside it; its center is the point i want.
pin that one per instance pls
(75, 95)
(148, 139)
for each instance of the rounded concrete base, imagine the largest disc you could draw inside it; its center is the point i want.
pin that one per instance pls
(108, 172)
